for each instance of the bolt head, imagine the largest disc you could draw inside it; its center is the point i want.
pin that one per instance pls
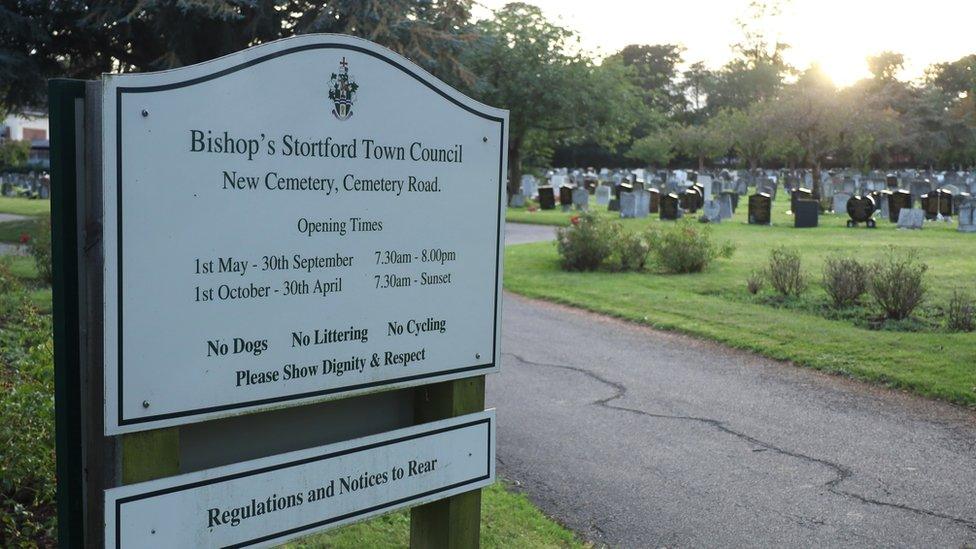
(484, 139)
(145, 113)
(145, 403)
(477, 356)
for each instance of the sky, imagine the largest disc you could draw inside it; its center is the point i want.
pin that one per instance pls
(836, 34)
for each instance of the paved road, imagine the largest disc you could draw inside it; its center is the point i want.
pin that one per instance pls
(520, 233)
(639, 438)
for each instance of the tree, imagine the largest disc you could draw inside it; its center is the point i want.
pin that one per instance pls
(749, 132)
(655, 72)
(702, 141)
(524, 64)
(655, 149)
(41, 40)
(886, 65)
(810, 114)
(14, 154)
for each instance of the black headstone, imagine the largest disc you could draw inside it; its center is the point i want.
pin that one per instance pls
(799, 194)
(655, 201)
(899, 199)
(670, 207)
(690, 200)
(547, 198)
(565, 195)
(625, 187)
(806, 213)
(861, 210)
(760, 209)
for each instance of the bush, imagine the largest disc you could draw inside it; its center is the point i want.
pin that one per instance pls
(28, 510)
(630, 250)
(40, 249)
(785, 273)
(586, 244)
(898, 284)
(686, 247)
(755, 281)
(961, 312)
(845, 279)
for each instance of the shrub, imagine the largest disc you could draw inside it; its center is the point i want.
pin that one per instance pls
(845, 279)
(785, 273)
(755, 281)
(630, 250)
(961, 315)
(898, 284)
(686, 247)
(40, 249)
(586, 244)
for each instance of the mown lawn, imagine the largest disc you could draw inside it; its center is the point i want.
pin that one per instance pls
(24, 206)
(715, 304)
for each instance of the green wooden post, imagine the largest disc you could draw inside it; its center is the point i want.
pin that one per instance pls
(455, 522)
(62, 97)
(149, 455)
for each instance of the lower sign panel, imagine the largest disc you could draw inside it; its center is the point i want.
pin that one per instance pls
(270, 500)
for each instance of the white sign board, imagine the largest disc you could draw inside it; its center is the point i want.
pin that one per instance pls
(268, 501)
(308, 219)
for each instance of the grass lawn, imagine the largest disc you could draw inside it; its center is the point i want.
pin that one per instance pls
(24, 206)
(508, 518)
(716, 305)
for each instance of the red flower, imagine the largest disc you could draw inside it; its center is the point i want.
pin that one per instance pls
(24, 238)
(574, 220)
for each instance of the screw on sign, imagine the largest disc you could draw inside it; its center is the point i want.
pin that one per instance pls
(861, 210)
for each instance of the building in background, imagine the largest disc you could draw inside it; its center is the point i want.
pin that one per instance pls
(30, 125)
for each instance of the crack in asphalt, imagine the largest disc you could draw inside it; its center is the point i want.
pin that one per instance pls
(842, 473)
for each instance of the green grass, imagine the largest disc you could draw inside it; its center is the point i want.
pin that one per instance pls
(24, 206)
(716, 305)
(508, 519)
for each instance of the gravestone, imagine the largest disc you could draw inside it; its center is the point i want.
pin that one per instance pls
(884, 209)
(806, 214)
(529, 186)
(613, 205)
(760, 209)
(566, 197)
(891, 181)
(799, 194)
(603, 193)
(911, 218)
(711, 212)
(632, 205)
(653, 200)
(967, 221)
(581, 198)
(840, 202)
(725, 205)
(518, 200)
(670, 207)
(898, 200)
(958, 200)
(690, 199)
(861, 209)
(937, 203)
(624, 187)
(547, 198)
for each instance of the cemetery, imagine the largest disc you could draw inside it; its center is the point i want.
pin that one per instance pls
(924, 353)
(463, 274)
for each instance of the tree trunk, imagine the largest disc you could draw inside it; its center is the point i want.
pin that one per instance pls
(701, 163)
(514, 168)
(816, 180)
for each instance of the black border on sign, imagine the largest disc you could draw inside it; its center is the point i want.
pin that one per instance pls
(325, 522)
(347, 389)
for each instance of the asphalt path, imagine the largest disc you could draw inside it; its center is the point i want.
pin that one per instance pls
(640, 438)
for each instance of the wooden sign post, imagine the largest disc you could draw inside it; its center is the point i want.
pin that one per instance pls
(277, 294)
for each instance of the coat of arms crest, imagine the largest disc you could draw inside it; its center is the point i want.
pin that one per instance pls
(342, 91)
